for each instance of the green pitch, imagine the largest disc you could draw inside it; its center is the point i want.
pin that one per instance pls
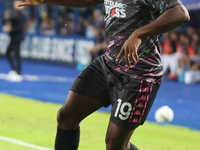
(34, 122)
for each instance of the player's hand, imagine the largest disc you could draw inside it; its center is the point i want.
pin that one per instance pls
(30, 2)
(7, 28)
(129, 50)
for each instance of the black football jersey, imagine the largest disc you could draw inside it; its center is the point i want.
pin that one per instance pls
(122, 18)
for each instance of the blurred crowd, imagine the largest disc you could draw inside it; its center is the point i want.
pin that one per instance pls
(181, 55)
(89, 23)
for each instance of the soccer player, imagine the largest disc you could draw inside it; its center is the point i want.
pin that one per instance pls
(127, 76)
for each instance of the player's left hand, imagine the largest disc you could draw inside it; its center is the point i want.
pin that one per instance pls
(129, 50)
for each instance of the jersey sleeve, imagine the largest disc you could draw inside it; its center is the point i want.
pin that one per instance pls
(162, 5)
(99, 1)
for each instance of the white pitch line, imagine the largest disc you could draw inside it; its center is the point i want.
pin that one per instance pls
(36, 78)
(23, 143)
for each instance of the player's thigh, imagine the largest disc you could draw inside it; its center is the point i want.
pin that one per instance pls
(117, 138)
(87, 94)
(75, 109)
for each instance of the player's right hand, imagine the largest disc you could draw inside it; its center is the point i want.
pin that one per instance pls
(129, 50)
(30, 2)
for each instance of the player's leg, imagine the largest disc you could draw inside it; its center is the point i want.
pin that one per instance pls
(88, 93)
(117, 138)
(18, 56)
(131, 102)
(9, 55)
(75, 109)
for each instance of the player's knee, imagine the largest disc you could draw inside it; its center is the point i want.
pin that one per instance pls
(61, 117)
(65, 120)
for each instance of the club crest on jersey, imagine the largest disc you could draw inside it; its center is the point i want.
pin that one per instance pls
(115, 9)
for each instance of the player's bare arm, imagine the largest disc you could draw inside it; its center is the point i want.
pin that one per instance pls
(69, 3)
(169, 20)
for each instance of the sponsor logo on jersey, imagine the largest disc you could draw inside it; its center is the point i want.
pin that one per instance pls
(115, 9)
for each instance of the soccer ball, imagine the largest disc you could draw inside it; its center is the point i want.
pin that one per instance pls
(164, 115)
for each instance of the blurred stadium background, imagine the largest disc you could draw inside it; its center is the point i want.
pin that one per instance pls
(61, 41)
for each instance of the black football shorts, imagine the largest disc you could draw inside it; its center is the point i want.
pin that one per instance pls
(131, 98)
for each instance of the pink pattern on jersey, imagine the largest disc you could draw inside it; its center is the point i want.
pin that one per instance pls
(151, 88)
(137, 113)
(117, 43)
(140, 90)
(140, 105)
(106, 59)
(150, 58)
(143, 97)
(121, 68)
(146, 90)
(135, 120)
(145, 106)
(147, 97)
(146, 83)
(153, 74)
